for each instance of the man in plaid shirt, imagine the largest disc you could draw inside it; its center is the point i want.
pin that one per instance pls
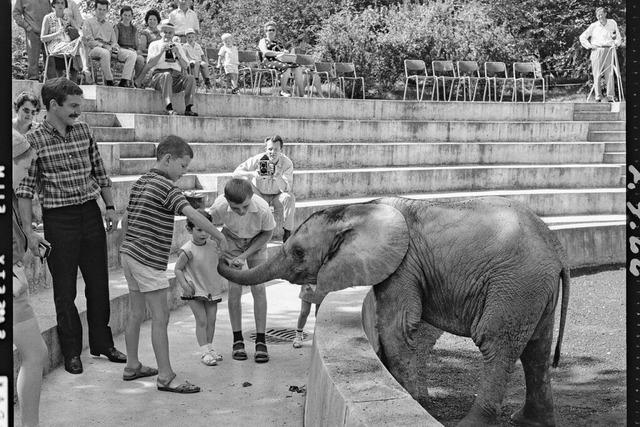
(68, 174)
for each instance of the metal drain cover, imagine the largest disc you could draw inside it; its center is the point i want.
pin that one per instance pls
(278, 335)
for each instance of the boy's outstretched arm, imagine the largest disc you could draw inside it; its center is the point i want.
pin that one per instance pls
(203, 223)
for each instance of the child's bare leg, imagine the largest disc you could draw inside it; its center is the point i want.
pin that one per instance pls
(158, 306)
(212, 312)
(234, 80)
(196, 69)
(132, 330)
(305, 309)
(204, 70)
(200, 314)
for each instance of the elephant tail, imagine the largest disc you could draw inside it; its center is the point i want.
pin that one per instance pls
(563, 313)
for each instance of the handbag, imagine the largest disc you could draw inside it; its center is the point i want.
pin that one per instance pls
(73, 32)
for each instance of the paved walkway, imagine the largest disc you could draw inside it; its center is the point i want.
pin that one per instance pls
(100, 397)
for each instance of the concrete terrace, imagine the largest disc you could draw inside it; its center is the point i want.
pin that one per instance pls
(564, 160)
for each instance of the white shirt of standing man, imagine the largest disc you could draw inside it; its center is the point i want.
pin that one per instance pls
(602, 33)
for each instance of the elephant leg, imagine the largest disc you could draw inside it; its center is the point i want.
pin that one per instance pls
(500, 347)
(538, 406)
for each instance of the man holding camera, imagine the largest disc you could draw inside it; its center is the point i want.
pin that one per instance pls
(167, 60)
(69, 176)
(101, 40)
(271, 175)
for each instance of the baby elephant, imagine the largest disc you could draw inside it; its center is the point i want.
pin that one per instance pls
(485, 268)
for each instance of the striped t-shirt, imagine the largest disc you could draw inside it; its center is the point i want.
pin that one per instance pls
(152, 205)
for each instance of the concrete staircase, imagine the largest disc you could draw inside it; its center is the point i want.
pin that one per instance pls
(566, 161)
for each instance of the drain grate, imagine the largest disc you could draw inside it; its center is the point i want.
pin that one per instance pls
(278, 335)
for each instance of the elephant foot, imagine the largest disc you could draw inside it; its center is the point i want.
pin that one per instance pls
(478, 418)
(533, 418)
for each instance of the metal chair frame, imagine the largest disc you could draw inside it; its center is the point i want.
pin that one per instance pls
(524, 69)
(416, 70)
(342, 69)
(67, 62)
(309, 71)
(468, 77)
(492, 71)
(327, 70)
(439, 69)
(260, 71)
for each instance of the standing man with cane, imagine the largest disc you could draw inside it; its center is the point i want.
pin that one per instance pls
(602, 38)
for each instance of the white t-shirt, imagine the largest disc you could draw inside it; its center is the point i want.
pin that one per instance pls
(228, 57)
(194, 53)
(156, 47)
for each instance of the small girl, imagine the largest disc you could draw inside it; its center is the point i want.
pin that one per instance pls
(197, 272)
(228, 57)
(308, 296)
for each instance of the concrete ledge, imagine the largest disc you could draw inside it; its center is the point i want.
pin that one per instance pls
(353, 388)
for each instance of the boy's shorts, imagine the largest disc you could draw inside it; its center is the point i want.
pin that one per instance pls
(237, 246)
(142, 278)
(308, 294)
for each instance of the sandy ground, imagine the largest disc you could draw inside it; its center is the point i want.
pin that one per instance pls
(589, 384)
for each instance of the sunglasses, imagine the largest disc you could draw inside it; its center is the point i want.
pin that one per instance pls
(30, 111)
(270, 29)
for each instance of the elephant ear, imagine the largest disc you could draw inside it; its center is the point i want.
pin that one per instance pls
(371, 242)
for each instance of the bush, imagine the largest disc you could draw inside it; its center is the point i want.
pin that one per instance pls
(378, 40)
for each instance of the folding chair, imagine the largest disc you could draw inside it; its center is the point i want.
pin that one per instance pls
(212, 60)
(308, 69)
(346, 71)
(444, 71)
(248, 63)
(327, 70)
(495, 72)
(416, 70)
(67, 62)
(262, 71)
(526, 72)
(468, 78)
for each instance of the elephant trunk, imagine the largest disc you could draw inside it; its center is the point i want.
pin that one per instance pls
(269, 270)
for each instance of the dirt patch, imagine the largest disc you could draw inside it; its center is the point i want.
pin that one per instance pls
(589, 385)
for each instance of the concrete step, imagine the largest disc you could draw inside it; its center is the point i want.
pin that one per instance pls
(18, 86)
(607, 136)
(226, 156)
(615, 147)
(129, 150)
(589, 241)
(607, 126)
(224, 129)
(218, 105)
(600, 107)
(333, 183)
(595, 116)
(100, 119)
(112, 134)
(614, 157)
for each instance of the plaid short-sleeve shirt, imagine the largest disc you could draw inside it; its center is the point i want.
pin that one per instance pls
(66, 170)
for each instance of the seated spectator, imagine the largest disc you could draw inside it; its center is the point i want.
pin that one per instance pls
(151, 33)
(167, 61)
(184, 18)
(27, 107)
(55, 32)
(101, 41)
(127, 36)
(271, 176)
(272, 51)
(228, 57)
(196, 58)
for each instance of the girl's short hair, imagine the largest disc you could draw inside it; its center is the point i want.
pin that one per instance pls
(27, 97)
(191, 225)
(225, 36)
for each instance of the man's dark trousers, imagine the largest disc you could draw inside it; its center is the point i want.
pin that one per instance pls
(78, 239)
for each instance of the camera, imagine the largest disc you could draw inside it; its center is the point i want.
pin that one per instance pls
(171, 46)
(44, 249)
(264, 165)
(168, 55)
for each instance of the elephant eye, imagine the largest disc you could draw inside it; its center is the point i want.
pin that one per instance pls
(298, 252)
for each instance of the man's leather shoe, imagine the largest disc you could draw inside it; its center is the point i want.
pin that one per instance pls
(73, 365)
(112, 354)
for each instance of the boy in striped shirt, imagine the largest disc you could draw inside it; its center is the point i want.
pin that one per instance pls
(148, 229)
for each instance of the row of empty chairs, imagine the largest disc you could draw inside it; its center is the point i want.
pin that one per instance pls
(465, 77)
(252, 75)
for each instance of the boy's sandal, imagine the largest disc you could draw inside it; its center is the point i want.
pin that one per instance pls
(184, 388)
(140, 372)
(261, 355)
(239, 352)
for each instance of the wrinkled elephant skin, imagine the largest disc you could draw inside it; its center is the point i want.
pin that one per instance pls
(485, 268)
